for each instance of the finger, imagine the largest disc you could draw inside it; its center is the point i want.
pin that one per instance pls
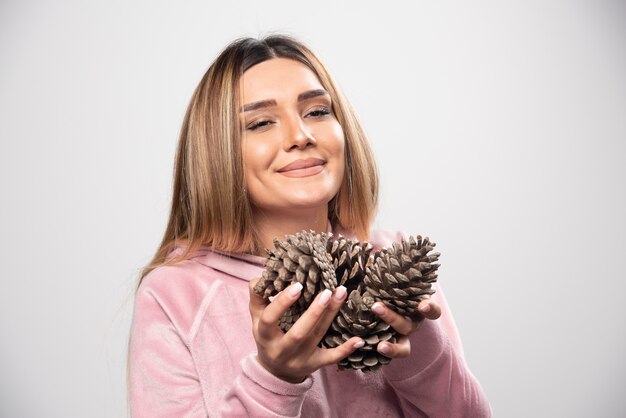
(430, 309)
(400, 323)
(268, 320)
(401, 349)
(328, 356)
(327, 317)
(305, 327)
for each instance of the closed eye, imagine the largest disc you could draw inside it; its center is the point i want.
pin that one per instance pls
(317, 113)
(259, 124)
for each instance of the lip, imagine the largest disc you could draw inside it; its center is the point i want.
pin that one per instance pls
(302, 164)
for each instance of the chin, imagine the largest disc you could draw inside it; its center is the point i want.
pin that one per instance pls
(310, 197)
(295, 201)
(307, 202)
(294, 195)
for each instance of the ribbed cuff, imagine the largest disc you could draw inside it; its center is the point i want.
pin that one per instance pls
(271, 392)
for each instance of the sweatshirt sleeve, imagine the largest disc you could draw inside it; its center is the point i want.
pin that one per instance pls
(162, 378)
(434, 380)
(165, 381)
(256, 392)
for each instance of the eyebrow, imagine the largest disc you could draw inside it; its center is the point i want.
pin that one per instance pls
(271, 102)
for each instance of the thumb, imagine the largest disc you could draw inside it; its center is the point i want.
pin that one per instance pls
(430, 309)
(334, 355)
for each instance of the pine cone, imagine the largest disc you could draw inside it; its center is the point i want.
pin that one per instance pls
(402, 276)
(356, 319)
(301, 258)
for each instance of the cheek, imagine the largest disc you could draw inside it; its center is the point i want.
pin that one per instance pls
(257, 156)
(338, 149)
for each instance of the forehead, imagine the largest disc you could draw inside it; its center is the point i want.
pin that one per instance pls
(277, 78)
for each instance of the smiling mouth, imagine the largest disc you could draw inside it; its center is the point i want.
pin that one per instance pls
(303, 168)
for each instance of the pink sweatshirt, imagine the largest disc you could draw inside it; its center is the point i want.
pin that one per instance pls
(192, 354)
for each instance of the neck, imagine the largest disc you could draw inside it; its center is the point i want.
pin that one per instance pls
(270, 225)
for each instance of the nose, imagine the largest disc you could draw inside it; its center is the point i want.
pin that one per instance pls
(297, 135)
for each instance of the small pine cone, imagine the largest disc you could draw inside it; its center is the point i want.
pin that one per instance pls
(402, 276)
(301, 258)
(355, 318)
(350, 259)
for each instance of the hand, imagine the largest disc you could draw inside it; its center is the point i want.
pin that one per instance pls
(294, 355)
(404, 325)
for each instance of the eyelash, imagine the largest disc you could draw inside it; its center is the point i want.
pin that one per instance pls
(320, 113)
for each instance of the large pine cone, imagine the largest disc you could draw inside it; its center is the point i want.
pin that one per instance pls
(301, 258)
(357, 319)
(402, 276)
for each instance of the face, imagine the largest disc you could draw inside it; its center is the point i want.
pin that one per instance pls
(293, 146)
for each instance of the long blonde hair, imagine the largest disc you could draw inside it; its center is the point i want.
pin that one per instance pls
(209, 203)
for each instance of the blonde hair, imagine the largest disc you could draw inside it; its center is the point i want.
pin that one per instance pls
(209, 203)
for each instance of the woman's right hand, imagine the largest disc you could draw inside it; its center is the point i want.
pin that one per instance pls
(294, 355)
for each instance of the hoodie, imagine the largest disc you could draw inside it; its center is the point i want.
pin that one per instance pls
(192, 354)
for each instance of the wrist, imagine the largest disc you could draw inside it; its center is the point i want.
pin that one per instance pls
(289, 379)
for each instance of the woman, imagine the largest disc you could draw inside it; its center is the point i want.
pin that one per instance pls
(269, 147)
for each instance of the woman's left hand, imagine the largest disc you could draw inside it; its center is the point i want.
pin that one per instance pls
(404, 325)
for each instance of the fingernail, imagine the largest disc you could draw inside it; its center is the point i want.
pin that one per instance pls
(384, 349)
(325, 297)
(295, 289)
(340, 293)
(378, 309)
(425, 308)
(359, 344)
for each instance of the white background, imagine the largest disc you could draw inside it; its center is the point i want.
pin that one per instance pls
(499, 128)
